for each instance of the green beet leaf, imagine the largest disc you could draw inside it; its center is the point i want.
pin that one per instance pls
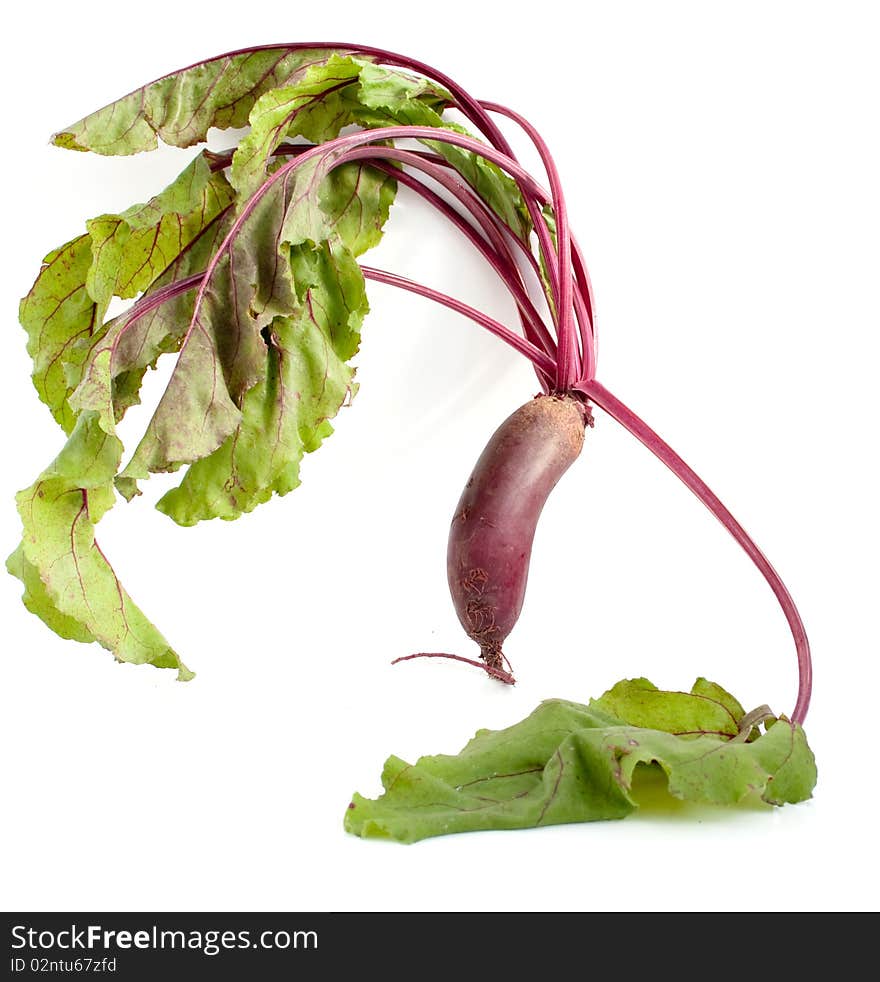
(572, 763)
(120, 255)
(702, 710)
(180, 108)
(313, 104)
(137, 345)
(68, 581)
(61, 320)
(283, 417)
(130, 251)
(38, 600)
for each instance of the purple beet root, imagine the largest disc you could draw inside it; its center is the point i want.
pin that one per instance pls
(490, 539)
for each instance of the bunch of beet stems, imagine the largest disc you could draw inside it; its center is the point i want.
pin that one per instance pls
(563, 354)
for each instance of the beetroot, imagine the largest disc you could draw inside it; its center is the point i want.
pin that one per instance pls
(490, 539)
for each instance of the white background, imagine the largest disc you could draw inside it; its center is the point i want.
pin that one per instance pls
(721, 166)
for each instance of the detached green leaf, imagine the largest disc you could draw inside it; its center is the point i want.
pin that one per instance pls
(694, 713)
(712, 691)
(571, 763)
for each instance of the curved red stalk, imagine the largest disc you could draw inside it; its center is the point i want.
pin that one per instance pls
(495, 251)
(477, 114)
(539, 358)
(582, 294)
(542, 362)
(568, 251)
(150, 301)
(533, 327)
(492, 223)
(524, 347)
(502, 226)
(569, 366)
(626, 417)
(584, 306)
